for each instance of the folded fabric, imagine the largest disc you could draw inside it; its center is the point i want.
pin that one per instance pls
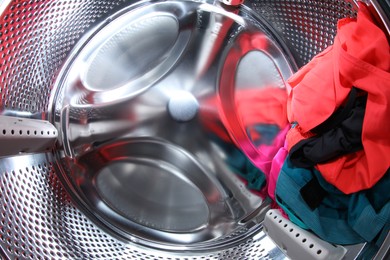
(313, 203)
(360, 57)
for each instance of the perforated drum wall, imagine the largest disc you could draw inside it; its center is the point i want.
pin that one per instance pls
(37, 218)
(37, 36)
(307, 26)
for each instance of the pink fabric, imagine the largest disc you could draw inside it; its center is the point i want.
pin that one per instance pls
(276, 166)
(268, 152)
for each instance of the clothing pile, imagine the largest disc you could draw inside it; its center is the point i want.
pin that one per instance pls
(323, 143)
(328, 167)
(263, 112)
(335, 176)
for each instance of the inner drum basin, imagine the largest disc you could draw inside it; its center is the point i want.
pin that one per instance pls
(143, 159)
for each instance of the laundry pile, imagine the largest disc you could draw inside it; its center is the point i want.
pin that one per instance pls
(328, 168)
(335, 177)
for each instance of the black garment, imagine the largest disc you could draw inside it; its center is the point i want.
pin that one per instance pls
(339, 115)
(335, 141)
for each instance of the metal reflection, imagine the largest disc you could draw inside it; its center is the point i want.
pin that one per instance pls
(154, 154)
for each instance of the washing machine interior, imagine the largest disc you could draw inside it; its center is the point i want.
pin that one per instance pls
(111, 143)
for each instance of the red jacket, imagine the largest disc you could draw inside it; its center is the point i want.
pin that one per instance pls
(360, 57)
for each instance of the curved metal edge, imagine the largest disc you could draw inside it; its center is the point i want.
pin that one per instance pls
(124, 237)
(246, 7)
(82, 42)
(3, 5)
(380, 9)
(384, 251)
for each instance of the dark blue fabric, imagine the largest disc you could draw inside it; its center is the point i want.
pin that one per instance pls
(339, 218)
(243, 167)
(372, 248)
(267, 133)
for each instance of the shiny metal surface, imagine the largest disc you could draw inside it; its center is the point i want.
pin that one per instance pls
(38, 39)
(307, 26)
(47, 225)
(141, 155)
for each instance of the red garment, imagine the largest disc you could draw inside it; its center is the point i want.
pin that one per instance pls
(360, 57)
(253, 106)
(265, 105)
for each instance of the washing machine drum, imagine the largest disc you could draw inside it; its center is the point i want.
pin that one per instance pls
(122, 122)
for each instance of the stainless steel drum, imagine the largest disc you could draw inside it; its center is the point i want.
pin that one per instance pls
(111, 143)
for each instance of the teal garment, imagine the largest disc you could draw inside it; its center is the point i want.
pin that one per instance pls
(339, 218)
(291, 214)
(241, 166)
(370, 249)
(267, 133)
